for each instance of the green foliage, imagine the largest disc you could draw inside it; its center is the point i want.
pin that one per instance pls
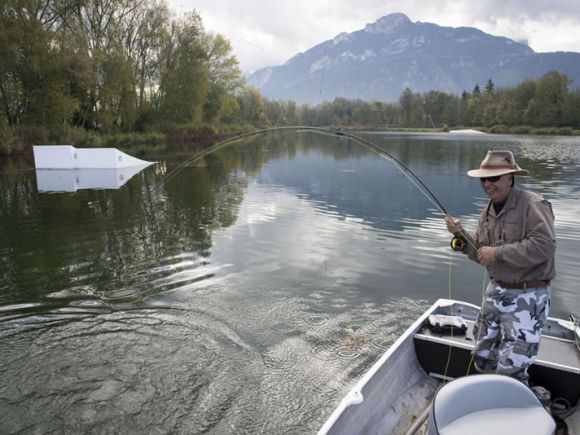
(111, 66)
(489, 87)
(550, 99)
(530, 107)
(185, 74)
(251, 106)
(95, 72)
(225, 78)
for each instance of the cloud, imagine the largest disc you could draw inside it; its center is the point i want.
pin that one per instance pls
(265, 33)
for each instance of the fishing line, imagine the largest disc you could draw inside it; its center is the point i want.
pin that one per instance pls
(480, 318)
(449, 295)
(414, 179)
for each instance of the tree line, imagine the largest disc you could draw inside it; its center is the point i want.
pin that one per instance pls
(546, 103)
(111, 66)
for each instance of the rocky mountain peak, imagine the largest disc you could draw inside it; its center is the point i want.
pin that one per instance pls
(379, 61)
(388, 24)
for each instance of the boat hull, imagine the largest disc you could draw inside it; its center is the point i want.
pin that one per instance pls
(395, 394)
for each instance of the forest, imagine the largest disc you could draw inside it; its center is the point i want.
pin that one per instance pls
(86, 72)
(546, 105)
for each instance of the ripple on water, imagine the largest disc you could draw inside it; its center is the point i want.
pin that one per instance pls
(135, 361)
(288, 396)
(344, 345)
(286, 354)
(199, 359)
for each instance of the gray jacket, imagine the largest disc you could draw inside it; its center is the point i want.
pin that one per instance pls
(525, 236)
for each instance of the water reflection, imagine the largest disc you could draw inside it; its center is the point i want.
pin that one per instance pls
(251, 290)
(71, 180)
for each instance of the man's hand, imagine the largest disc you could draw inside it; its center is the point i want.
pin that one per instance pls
(453, 225)
(486, 255)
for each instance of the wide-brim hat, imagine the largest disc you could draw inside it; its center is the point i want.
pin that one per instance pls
(497, 163)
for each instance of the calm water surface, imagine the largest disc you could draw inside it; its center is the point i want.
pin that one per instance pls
(251, 290)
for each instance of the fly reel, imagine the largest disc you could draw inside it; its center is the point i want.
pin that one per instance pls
(458, 243)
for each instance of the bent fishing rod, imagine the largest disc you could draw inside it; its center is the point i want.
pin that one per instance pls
(410, 175)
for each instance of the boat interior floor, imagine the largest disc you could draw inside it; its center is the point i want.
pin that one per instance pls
(445, 357)
(553, 351)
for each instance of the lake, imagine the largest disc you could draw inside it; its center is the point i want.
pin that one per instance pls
(245, 292)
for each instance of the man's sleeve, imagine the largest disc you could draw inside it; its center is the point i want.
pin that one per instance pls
(539, 243)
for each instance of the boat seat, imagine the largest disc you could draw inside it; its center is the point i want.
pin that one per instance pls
(488, 404)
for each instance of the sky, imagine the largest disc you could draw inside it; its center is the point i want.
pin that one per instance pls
(269, 32)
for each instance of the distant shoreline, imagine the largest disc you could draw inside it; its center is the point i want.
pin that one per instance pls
(141, 143)
(515, 130)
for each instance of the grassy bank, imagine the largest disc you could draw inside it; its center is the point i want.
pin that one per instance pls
(19, 142)
(525, 129)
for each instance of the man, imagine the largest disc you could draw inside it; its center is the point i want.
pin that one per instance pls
(516, 242)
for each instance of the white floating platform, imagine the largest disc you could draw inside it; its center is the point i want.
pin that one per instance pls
(467, 131)
(69, 157)
(71, 180)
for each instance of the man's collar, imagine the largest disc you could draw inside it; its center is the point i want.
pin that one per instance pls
(510, 202)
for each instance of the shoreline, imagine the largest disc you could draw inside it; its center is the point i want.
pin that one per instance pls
(188, 136)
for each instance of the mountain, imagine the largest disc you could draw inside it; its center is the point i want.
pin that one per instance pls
(393, 53)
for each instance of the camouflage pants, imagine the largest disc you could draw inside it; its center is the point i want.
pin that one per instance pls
(508, 329)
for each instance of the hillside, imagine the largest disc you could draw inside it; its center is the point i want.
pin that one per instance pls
(393, 53)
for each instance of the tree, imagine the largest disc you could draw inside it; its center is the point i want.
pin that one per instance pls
(574, 113)
(11, 86)
(307, 115)
(551, 96)
(145, 33)
(118, 100)
(342, 110)
(225, 77)
(463, 104)
(488, 116)
(96, 31)
(184, 73)
(441, 107)
(506, 113)
(489, 87)
(251, 105)
(474, 110)
(34, 70)
(412, 112)
(522, 95)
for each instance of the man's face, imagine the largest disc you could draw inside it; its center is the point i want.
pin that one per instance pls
(499, 190)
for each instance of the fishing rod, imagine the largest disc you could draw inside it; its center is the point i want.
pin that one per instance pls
(461, 237)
